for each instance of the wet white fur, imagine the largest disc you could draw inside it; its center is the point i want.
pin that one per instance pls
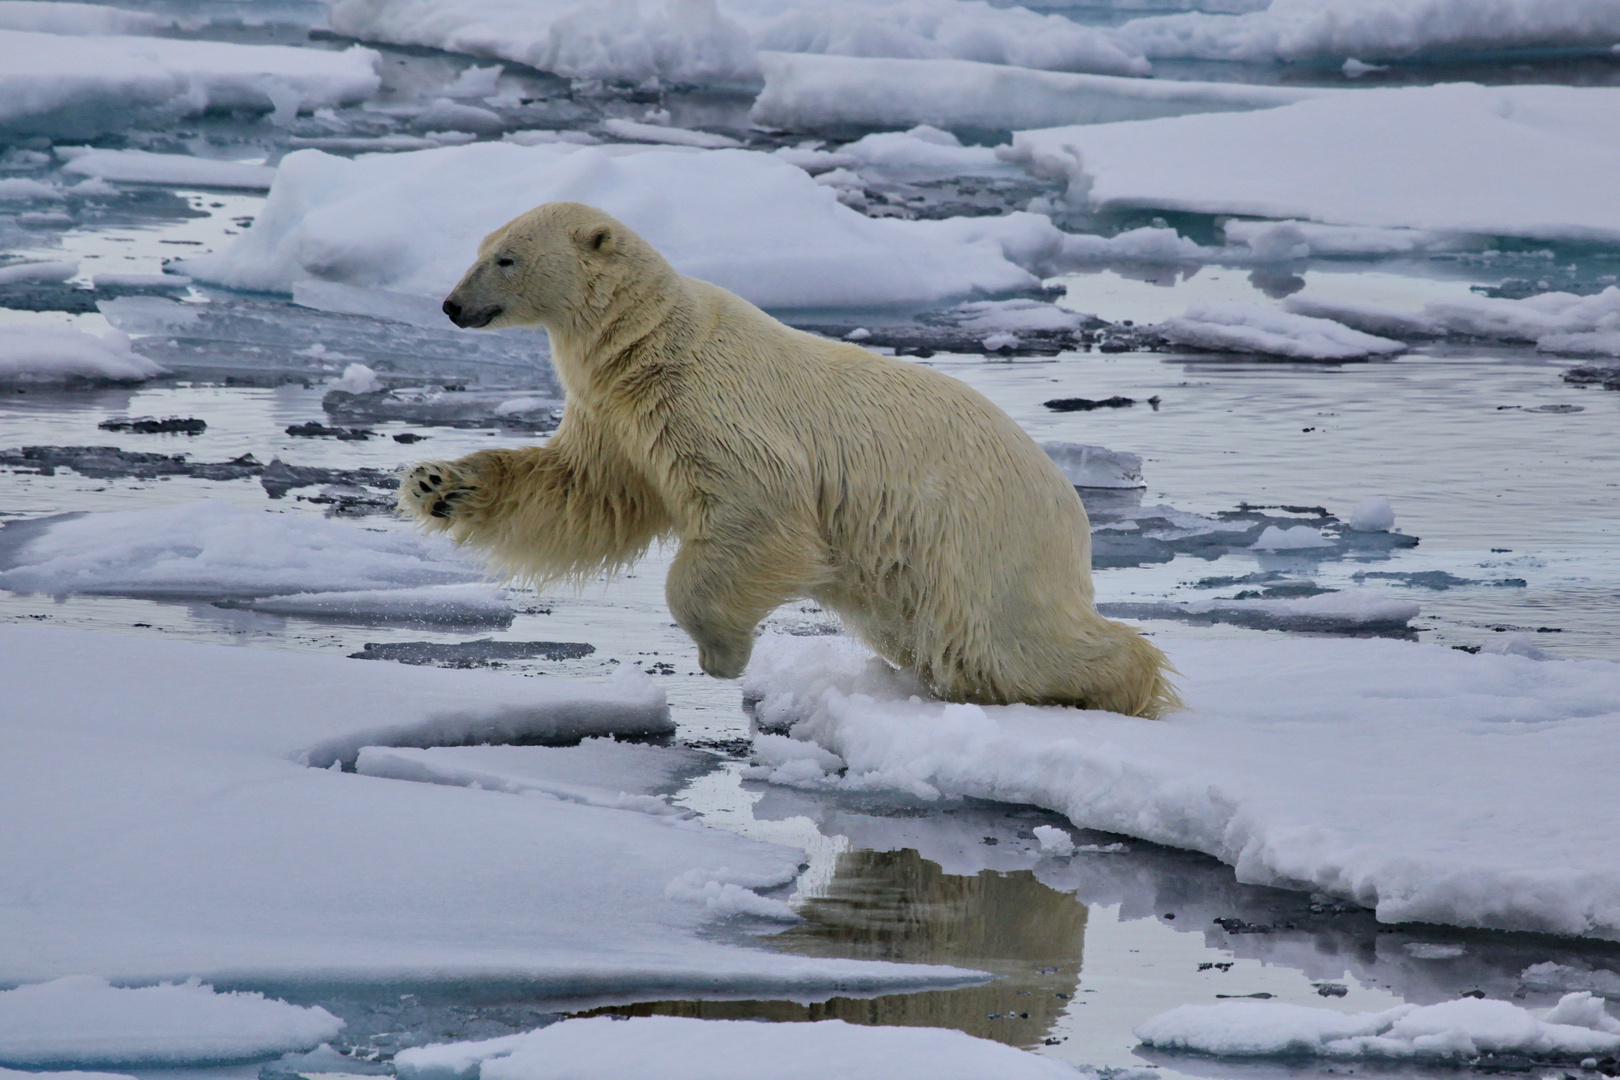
(786, 465)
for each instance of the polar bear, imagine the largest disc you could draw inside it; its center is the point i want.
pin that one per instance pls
(786, 466)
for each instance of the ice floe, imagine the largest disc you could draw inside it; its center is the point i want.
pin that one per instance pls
(432, 605)
(1361, 769)
(744, 220)
(1232, 326)
(1096, 466)
(677, 1048)
(213, 549)
(1362, 30)
(140, 166)
(807, 92)
(69, 18)
(1450, 1031)
(83, 1020)
(82, 86)
(59, 354)
(1512, 161)
(162, 795)
(1341, 611)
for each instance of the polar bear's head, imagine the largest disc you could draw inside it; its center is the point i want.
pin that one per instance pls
(553, 265)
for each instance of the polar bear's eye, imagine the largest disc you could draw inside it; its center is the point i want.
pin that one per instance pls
(505, 260)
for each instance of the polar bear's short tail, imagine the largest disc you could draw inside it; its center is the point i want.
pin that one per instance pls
(1132, 677)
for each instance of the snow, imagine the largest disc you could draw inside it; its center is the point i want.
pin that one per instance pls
(677, 1048)
(356, 379)
(1372, 514)
(54, 354)
(1447, 1031)
(1457, 158)
(67, 18)
(450, 605)
(1410, 779)
(143, 167)
(1293, 30)
(81, 86)
(213, 549)
(1292, 538)
(807, 91)
(1233, 326)
(1096, 466)
(747, 221)
(597, 772)
(84, 1020)
(705, 42)
(657, 133)
(182, 823)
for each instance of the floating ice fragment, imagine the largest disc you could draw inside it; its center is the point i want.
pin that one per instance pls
(1372, 514)
(658, 133)
(728, 892)
(356, 379)
(1003, 340)
(1054, 841)
(52, 270)
(1426, 950)
(1291, 539)
(140, 166)
(1096, 466)
(1564, 977)
(56, 354)
(1230, 326)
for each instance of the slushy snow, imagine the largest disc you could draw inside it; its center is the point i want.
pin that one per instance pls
(1526, 161)
(210, 549)
(747, 221)
(1458, 1030)
(677, 1048)
(54, 354)
(84, 1020)
(808, 91)
(1410, 779)
(1233, 326)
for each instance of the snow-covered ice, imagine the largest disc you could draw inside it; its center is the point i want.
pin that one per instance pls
(81, 86)
(1283, 241)
(140, 166)
(677, 1048)
(747, 221)
(1372, 514)
(212, 549)
(1233, 326)
(1096, 466)
(449, 605)
(1294, 538)
(1411, 779)
(40, 270)
(1343, 611)
(85, 1021)
(1578, 1026)
(1361, 30)
(69, 18)
(1524, 161)
(55, 354)
(658, 133)
(809, 91)
(178, 830)
(709, 42)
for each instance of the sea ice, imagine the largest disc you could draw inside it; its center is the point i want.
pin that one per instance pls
(1292, 30)
(433, 605)
(1096, 466)
(1346, 611)
(805, 91)
(658, 133)
(56, 354)
(677, 1048)
(177, 829)
(83, 1020)
(1283, 241)
(79, 86)
(1454, 158)
(1449, 1031)
(744, 220)
(69, 18)
(1303, 764)
(1054, 841)
(139, 166)
(214, 549)
(1372, 514)
(1232, 326)
(1291, 539)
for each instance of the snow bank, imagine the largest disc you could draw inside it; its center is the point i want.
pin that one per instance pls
(747, 221)
(449, 605)
(676, 1048)
(176, 831)
(1503, 160)
(58, 85)
(1231, 326)
(1096, 466)
(53, 354)
(83, 1020)
(704, 42)
(1410, 779)
(66, 18)
(208, 549)
(140, 166)
(1375, 29)
(1449, 1031)
(805, 91)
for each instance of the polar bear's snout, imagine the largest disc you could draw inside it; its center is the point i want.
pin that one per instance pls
(470, 319)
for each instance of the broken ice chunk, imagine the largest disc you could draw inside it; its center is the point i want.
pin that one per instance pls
(1372, 514)
(1294, 538)
(1054, 841)
(1096, 466)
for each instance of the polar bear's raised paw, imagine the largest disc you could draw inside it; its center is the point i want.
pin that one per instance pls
(433, 490)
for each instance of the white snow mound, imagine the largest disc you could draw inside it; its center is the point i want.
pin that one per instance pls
(85, 1020)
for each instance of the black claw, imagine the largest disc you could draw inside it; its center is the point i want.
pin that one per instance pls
(436, 478)
(441, 509)
(423, 488)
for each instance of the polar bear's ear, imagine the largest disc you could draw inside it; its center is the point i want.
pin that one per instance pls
(599, 239)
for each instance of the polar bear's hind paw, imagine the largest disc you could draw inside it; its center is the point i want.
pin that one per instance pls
(433, 490)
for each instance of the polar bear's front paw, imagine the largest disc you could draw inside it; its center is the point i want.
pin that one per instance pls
(435, 490)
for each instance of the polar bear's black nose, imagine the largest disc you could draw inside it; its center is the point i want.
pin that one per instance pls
(453, 309)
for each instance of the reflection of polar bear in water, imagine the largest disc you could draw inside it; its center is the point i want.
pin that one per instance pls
(787, 466)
